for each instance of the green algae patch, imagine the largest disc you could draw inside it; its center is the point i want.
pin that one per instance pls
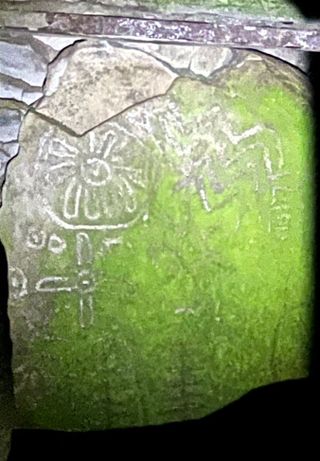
(175, 320)
(163, 262)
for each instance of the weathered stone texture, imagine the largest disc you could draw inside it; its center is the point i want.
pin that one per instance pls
(160, 239)
(121, 78)
(269, 8)
(23, 69)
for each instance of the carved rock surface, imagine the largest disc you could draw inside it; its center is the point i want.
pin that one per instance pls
(92, 83)
(160, 264)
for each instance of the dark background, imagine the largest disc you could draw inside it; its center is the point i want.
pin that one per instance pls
(276, 420)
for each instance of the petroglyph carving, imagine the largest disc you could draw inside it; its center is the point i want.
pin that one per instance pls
(210, 154)
(36, 239)
(99, 182)
(108, 243)
(82, 282)
(56, 244)
(84, 249)
(18, 283)
(54, 284)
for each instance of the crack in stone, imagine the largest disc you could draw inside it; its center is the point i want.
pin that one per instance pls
(136, 104)
(8, 151)
(66, 129)
(10, 148)
(180, 73)
(18, 90)
(52, 62)
(119, 44)
(71, 132)
(185, 72)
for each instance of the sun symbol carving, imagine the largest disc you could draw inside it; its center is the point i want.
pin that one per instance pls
(99, 182)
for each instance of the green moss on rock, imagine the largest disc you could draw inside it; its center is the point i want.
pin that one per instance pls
(207, 294)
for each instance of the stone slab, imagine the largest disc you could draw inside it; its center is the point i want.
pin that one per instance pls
(89, 84)
(161, 263)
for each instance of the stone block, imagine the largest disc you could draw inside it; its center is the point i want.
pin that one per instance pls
(158, 226)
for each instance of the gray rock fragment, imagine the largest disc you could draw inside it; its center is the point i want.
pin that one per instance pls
(10, 122)
(92, 82)
(297, 58)
(22, 62)
(14, 90)
(57, 43)
(9, 90)
(199, 60)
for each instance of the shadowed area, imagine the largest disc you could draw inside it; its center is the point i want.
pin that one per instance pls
(315, 79)
(311, 10)
(278, 416)
(6, 382)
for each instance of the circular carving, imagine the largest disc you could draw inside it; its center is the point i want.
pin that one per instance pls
(97, 183)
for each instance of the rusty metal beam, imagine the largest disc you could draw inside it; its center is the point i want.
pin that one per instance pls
(224, 31)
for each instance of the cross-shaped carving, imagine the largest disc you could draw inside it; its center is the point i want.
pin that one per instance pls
(83, 282)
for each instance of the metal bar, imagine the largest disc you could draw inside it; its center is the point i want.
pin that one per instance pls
(224, 31)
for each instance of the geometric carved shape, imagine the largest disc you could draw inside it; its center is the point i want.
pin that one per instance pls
(162, 260)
